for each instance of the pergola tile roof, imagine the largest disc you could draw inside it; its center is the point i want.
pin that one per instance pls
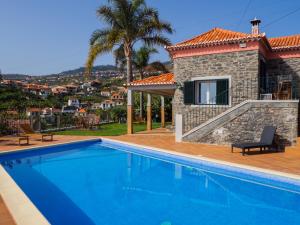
(163, 79)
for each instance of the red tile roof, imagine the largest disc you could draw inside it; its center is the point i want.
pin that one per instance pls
(219, 36)
(82, 110)
(33, 110)
(216, 36)
(163, 79)
(285, 42)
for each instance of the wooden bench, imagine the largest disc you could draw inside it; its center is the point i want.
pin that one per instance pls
(23, 138)
(47, 135)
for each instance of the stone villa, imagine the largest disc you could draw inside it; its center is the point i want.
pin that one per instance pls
(228, 85)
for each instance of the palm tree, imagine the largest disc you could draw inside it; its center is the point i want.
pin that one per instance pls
(140, 62)
(128, 22)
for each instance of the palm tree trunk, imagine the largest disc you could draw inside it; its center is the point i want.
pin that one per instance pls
(129, 69)
(128, 54)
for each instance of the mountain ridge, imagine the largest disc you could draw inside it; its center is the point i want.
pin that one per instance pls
(79, 70)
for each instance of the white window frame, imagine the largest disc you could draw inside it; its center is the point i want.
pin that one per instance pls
(206, 78)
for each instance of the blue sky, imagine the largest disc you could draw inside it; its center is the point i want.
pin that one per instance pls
(49, 36)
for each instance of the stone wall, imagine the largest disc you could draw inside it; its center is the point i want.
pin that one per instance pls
(289, 66)
(243, 67)
(248, 126)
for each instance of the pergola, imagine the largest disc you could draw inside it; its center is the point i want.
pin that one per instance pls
(163, 85)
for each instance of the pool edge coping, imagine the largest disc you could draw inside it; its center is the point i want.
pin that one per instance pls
(18, 204)
(211, 160)
(20, 207)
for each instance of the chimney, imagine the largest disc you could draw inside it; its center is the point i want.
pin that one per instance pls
(255, 26)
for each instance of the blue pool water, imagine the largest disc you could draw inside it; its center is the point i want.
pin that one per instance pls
(113, 184)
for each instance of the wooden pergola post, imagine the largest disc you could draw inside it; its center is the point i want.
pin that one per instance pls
(162, 111)
(129, 112)
(149, 112)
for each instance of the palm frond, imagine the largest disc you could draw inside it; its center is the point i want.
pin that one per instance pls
(106, 14)
(136, 4)
(94, 52)
(156, 40)
(98, 36)
(128, 22)
(148, 13)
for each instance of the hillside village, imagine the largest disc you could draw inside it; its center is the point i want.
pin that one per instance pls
(68, 100)
(72, 96)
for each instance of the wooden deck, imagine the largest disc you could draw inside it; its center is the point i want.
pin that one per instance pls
(288, 161)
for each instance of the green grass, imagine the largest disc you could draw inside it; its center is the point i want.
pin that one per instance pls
(113, 129)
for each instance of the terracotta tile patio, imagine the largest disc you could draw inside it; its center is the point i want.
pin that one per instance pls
(5, 218)
(8, 143)
(288, 161)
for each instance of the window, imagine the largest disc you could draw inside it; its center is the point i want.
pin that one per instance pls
(207, 92)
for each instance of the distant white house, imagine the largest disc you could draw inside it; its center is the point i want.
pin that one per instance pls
(117, 96)
(96, 106)
(41, 90)
(74, 102)
(33, 112)
(105, 93)
(107, 104)
(87, 87)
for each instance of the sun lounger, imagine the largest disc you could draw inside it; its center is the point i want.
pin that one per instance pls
(266, 141)
(28, 131)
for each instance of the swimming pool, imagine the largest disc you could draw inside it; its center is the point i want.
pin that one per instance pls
(109, 183)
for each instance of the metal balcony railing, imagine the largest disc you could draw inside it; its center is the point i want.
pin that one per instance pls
(281, 87)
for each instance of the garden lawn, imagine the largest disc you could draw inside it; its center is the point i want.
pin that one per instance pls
(113, 129)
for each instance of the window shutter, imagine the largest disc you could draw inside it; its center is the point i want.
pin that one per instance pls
(189, 92)
(222, 92)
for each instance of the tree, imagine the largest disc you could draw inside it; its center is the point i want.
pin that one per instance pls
(118, 113)
(141, 62)
(128, 22)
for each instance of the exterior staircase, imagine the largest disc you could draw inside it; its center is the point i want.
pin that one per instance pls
(216, 121)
